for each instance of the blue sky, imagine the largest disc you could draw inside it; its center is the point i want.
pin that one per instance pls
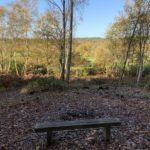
(97, 16)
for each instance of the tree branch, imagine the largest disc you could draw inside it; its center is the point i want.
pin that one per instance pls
(56, 5)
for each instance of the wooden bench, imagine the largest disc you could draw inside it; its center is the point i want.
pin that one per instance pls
(77, 124)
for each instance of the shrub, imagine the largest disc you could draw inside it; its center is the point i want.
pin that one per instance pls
(132, 70)
(116, 70)
(9, 81)
(91, 71)
(38, 69)
(43, 84)
(147, 86)
(146, 71)
(98, 81)
(13, 67)
(100, 70)
(83, 71)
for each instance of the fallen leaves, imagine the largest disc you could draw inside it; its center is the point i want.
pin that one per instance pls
(19, 112)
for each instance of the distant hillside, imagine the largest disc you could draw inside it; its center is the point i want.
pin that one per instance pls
(89, 38)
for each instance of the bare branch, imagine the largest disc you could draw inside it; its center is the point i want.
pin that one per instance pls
(56, 5)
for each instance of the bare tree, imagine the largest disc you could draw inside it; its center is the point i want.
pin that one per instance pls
(72, 5)
(133, 20)
(143, 35)
(62, 38)
(64, 41)
(48, 29)
(70, 41)
(67, 12)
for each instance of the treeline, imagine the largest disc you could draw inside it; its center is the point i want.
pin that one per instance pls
(20, 23)
(130, 37)
(42, 44)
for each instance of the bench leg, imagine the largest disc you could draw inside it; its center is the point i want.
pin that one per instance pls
(49, 135)
(107, 134)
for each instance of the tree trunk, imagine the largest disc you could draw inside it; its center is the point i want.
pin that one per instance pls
(15, 63)
(141, 61)
(70, 42)
(2, 60)
(129, 48)
(26, 58)
(144, 36)
(63, 44)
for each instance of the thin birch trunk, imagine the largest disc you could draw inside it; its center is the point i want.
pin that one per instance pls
(70, 42)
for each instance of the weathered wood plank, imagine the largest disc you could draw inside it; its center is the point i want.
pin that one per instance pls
(76, 124)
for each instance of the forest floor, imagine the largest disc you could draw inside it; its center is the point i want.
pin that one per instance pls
(19, 112)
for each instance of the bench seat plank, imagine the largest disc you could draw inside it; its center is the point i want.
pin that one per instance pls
(76, 124)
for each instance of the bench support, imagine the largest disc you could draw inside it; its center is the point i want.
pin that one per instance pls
(49, 135)
(107, 133)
